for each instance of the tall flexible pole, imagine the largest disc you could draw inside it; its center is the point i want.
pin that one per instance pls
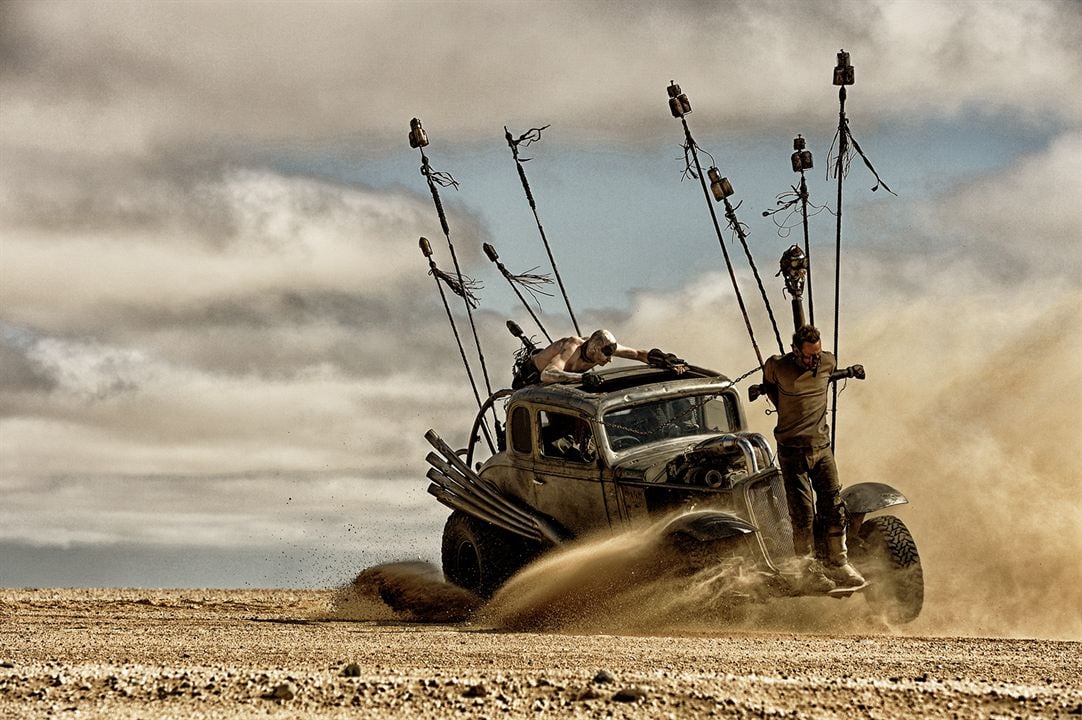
(491, 253)
(426, 170)
(796, 266)
(681, 106)
(533, 135)
(419, 139)
(426, 250)
(730, 215)
(807, 244)
(843, 75)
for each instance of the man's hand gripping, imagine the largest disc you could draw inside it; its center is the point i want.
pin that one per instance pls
(660, 359)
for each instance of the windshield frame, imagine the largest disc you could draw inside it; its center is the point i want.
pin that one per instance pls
(719, 391)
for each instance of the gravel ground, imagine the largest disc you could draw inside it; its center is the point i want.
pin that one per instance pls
(276, 653)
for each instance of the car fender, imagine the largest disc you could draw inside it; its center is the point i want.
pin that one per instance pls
(709, 525)
(867, 497)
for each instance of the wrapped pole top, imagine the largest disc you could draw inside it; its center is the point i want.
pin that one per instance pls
(418, 136)
(843, 71)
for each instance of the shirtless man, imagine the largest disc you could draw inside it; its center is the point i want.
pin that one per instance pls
(568, 359)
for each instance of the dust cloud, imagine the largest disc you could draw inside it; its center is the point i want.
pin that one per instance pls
(629, 583)
(632, 583)
(414, 591)
(971, 409)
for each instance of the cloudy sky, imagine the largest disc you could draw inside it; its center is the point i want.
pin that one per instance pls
(219, 348)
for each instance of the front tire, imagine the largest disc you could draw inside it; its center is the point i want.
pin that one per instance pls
(891, 564)
(480, 557)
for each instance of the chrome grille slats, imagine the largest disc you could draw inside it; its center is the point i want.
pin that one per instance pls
(769, 512)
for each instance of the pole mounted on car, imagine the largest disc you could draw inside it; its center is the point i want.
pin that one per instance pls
(802, 160)
(722, 191)
(419, 139)
(680, 107)
(843, 76)
(529, 280)
(794, 270)
(527, 138)
(464, 290)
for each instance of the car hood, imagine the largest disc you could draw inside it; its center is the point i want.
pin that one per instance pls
(648, 463)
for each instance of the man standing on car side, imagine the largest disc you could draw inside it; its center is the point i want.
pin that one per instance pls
(797, 384)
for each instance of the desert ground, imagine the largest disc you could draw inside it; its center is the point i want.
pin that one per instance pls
(113, 653)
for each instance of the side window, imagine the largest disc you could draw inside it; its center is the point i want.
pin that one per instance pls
(521, 430)
(567, 437)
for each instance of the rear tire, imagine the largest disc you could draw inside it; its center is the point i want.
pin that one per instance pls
(891, 564)
(480, 557)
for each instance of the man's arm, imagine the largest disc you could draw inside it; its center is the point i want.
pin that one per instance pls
(554, 372)
(622, 351)
(853, 371)
(769, 386)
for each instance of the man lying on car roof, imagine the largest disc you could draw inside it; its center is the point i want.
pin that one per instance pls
(569, 359)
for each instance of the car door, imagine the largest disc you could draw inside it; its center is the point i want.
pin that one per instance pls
(567, 475)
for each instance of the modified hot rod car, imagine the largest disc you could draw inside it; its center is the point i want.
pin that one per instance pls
(642, 445)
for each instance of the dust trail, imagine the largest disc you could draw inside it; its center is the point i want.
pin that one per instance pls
(632, 583)
(979, 423)
(972, 408)
(411, 591)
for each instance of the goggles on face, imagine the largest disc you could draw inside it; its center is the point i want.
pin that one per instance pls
(608, 350)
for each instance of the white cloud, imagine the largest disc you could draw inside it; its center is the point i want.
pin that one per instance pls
(1022, 215)
(284, 234)
(366, 515)
(119, 78)
(114, 411)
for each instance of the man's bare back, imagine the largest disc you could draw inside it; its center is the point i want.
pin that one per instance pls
(568, 359)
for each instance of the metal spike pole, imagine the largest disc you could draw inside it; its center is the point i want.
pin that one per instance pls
(843, 148)
(807, 244)
(491, 253)
(426, 170)
(426, 249)
(730, 215)
(540, 228)
(717, 229)
(419, 139)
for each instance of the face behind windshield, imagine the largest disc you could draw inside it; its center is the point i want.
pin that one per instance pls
(628, 427)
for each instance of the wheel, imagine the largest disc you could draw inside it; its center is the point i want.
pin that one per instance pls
(479, 556)
(623, 442)
(891, 564)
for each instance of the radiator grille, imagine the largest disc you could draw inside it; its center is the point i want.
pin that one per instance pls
(770, 513)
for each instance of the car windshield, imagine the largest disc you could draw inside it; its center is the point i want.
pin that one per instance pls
(627, 427)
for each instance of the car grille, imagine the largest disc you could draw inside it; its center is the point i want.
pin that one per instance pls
(770, 513)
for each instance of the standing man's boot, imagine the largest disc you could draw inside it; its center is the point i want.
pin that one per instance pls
(813, 579)
(838, 568)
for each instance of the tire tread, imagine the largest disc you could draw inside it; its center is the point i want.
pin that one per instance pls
(899, 595)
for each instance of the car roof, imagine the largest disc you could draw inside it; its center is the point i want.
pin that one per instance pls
(616, 379)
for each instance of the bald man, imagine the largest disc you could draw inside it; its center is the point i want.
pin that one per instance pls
(568, 360)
